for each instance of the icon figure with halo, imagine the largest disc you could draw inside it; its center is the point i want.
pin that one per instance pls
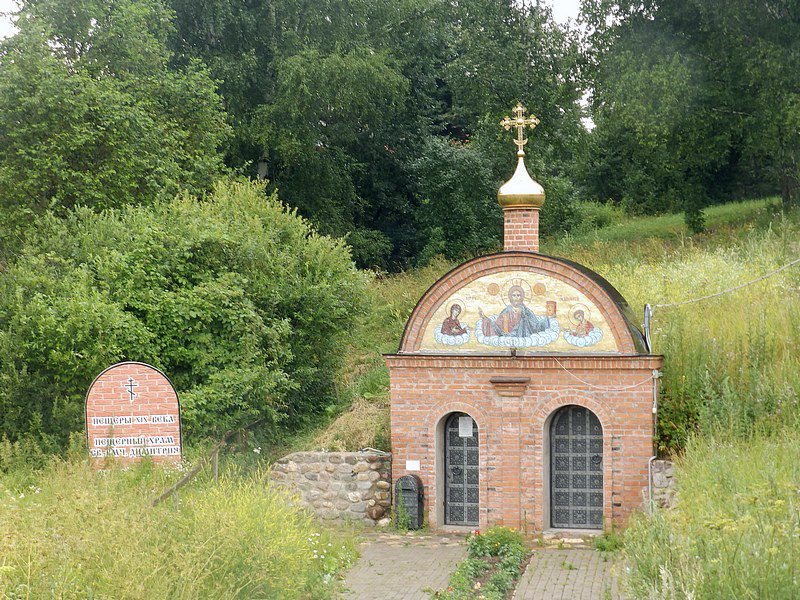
(517, 326)
(583, 332)
(451, 332)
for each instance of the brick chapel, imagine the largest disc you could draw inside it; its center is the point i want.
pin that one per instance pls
(522, 394)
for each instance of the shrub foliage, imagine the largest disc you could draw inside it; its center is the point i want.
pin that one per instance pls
(237, 299)
(91, 112)
(495, 560)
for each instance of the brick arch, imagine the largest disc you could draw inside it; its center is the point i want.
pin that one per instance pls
(539, 454)
(435, 418)
(446, 407)
(579, 398)
(607, 299)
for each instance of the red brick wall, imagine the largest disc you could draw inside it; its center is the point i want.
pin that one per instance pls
(155, 397)
(521, 229)
(512, 419)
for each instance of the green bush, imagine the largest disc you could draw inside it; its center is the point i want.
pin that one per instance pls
(595, 215)
(496, 556)
(495, 541)
(72, 532)
(93, 112)
(558, 214)
(457, 192)
(234, 297)
(371, 249)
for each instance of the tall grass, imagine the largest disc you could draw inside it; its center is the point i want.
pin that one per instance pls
(71, 532)
(729, 402)
(731, 361)
(736, 531)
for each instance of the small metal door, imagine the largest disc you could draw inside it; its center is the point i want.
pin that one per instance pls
(576, 469)
(408, 493)
(461, 470)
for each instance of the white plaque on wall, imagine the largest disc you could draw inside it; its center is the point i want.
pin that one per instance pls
(412, 465)
(464, 426)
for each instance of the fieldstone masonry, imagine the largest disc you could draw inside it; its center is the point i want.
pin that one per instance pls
(664, 483)
(339, 486)
(355, 486)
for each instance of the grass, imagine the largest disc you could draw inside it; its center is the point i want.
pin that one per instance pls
(68, 531)
(621, 228)
(629, 239)
(732, 374)
(362, 417)
(731, 361)
(608, 541)
(736, 531)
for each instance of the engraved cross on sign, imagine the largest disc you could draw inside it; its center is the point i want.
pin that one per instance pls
(520, 122)
(129, 386)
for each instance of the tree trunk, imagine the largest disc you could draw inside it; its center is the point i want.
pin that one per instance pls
(789, 191)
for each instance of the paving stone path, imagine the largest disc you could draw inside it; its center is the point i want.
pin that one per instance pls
(395, 566)
(570, 574)
(403, 567)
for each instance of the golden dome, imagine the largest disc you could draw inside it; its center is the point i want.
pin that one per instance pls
(520, 191)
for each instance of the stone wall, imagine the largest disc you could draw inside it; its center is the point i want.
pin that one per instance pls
(664, 483)
(339, 486)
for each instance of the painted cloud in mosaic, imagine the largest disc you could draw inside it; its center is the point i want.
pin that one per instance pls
(518, 309)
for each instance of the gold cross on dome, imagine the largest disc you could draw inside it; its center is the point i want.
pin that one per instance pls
(520, 122)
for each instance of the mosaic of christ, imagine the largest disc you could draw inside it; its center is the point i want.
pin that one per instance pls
(518, 310)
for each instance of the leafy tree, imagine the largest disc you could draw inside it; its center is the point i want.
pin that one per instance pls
(761, 58)
(339, 104)
(458, 216)
(91, 114)
(235, 297)
(328, 109)
(507, 52)
(693, 102)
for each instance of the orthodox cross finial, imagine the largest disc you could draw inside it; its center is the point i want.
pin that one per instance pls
(520, 122)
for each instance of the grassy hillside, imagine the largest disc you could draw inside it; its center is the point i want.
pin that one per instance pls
(731, 375)
(611, 224)
(731, 363)
(736, 531)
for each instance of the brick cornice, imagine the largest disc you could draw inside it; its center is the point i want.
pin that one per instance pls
(510, 387)
(629, 362)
